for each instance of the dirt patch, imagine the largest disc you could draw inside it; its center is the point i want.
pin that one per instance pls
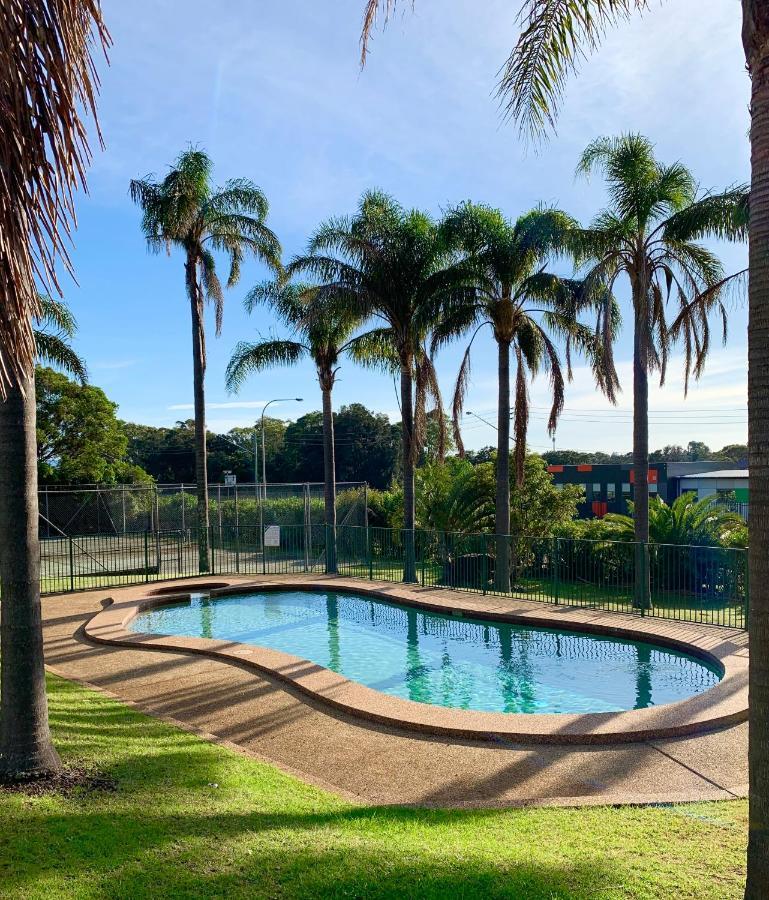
(69, 781)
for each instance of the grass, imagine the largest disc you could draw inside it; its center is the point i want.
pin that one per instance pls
(192, 819)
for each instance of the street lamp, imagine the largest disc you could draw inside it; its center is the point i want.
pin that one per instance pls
(264, 455)
(490, 424)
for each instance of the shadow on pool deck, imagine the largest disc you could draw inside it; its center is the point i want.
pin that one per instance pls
(379, 764)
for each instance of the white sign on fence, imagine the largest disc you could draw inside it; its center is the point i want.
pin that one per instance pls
(272, 536)
(230, 480)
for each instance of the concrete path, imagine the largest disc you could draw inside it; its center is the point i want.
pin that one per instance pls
(376, 764)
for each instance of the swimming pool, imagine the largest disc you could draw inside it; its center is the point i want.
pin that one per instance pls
(443, 660)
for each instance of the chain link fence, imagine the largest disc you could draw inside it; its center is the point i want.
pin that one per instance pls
(94, 536)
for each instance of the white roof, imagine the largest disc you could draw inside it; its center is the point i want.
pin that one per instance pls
(719, 473)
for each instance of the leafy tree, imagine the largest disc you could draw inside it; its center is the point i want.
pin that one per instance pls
(537, 507)
(184, 210)
(393, 266)
(368, 448)
(527, 309)
(324, 338)
(79, 438)
(48, 75)
(648, 235)
(733, 453)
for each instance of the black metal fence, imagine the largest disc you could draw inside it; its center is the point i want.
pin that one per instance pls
(687, 583)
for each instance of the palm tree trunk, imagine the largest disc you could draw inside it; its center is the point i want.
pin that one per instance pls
(329, 480)
(502, 520)
(407, 440)
(642, 588)
(756, 39)
(198, 379)
(25, 740)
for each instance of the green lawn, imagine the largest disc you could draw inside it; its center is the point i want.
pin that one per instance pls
(191, 819)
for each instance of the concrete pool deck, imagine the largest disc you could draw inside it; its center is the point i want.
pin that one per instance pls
(377, 762)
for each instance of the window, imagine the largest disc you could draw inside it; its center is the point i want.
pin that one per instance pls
(596, 488)
(626, 487)
(610, 491)
(584, 488)
(652, 488)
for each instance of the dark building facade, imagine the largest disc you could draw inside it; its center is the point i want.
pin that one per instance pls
(608, 487)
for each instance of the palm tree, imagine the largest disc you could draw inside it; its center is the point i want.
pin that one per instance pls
(556, 36)
(324, 338)
(48, 76)
(649, 235)
(391, 265)
(526, 308)
(184, 210)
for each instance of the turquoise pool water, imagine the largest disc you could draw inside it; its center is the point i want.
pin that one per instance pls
(444, 660)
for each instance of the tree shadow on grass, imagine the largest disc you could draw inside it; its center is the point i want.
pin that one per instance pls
(355, 852)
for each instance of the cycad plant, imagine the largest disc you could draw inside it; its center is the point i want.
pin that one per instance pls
(687, 520)
(187, 212)
(529, 311)
(649, 235)
(324, 338)
(390, 266)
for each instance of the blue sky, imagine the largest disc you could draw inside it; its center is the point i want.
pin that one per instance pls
(272, 90)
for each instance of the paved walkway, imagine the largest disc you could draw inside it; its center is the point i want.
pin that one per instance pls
(376, 764)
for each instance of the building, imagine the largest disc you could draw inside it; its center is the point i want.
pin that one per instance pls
(730, 486)
(609, 486)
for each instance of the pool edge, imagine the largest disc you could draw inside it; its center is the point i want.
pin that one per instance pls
(721, 706)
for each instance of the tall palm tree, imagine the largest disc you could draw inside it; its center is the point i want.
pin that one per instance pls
(323, 338)
(47, 78)
(185, 210)
(648, 235)
(391, 265)
(526, 308)
(556, 36)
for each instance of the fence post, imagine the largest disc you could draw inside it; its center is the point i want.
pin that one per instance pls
(484, 567)
(746, 621)
(306, 491)
(146, 555)
(556, 562)
(213, 554)
(237, 547)
(369, 559)
(71, 565)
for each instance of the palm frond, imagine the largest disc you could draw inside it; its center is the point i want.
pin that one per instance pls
(248, 358)
(723, 215)
(556, 35)
(49, 85)
(54, 350)
(376, 349)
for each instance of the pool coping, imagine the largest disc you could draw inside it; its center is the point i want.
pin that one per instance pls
(723, 705)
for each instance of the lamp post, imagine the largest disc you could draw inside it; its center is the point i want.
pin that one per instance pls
(264, 454)
(264, 474)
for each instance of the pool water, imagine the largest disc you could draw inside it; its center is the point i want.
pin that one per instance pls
(444, 660)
